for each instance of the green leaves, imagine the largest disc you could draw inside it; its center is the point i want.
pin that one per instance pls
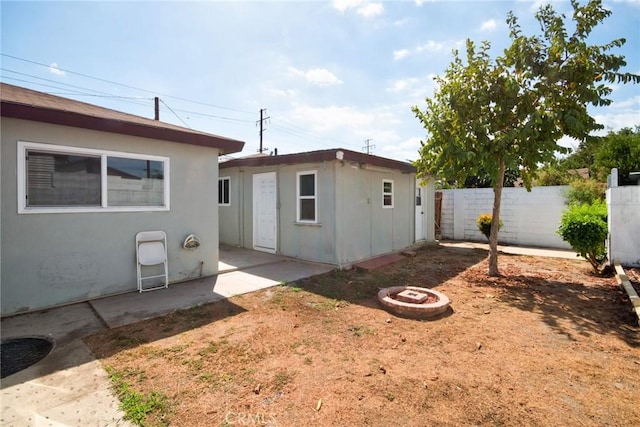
(584, 227)
(509, 112)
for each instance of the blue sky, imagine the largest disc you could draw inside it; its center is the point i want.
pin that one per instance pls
(330, 73)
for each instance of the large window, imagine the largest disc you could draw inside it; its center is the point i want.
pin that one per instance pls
(307, 209)
(223, 191)
(55, 178)
(387, 193)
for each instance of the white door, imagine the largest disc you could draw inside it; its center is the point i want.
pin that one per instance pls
(264, 211)
(420, 205)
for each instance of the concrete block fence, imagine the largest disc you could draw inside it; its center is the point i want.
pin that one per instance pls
(529, 218)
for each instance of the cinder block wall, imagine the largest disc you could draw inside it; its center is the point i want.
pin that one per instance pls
(623, 205)
(529, 218)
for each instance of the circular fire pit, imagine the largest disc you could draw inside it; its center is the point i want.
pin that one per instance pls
(414, 302)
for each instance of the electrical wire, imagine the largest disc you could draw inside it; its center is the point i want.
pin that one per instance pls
(281, 125)
(128, 86)
(174, 113)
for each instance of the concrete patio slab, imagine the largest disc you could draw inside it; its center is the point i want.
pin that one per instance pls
(134, 307)
(233, 258)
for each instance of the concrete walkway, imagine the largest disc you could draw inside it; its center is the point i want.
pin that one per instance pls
(69, 387)
(515, 250)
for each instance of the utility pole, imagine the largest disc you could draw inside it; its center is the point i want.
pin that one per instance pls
(369, 147)
(263, 119)
(156, 102)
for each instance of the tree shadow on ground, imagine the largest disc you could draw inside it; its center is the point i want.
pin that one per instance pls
(111, 341)
(571, 308)
(432, 266)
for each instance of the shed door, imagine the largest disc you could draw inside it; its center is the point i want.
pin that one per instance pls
(264, 211)
(419, 212)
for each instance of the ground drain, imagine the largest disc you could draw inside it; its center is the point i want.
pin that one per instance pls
(17, 354)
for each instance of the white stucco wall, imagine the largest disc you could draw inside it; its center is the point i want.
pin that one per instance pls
(623, 206)
(529, 218)
(56, 258)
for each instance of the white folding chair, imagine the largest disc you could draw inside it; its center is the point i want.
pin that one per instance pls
(151, 252)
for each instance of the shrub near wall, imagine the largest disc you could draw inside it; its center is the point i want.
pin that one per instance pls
(584, 227)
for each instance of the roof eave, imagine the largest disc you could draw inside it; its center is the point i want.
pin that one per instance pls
(84, 121)
(319, 156)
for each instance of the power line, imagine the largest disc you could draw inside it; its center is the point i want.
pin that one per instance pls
(127, 86)
(174, 113)
(298, 131)
(130, 100)
(70, 85)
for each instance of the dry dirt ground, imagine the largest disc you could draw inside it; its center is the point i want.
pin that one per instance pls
(547, 344)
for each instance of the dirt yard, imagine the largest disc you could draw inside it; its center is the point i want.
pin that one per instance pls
(547, 344)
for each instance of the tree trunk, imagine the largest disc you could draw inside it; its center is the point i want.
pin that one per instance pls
(495, 222)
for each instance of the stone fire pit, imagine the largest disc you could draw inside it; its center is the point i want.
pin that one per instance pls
(414, 302)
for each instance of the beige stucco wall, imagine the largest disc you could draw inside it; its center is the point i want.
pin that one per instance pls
(55, 258)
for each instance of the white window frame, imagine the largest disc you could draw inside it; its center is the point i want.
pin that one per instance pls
(314, 197)
(384, 181)
(228, 179)
(23, 146)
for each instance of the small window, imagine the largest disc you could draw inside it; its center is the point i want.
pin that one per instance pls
(306, 196)
(387, 193)
(418, 196)
(223, 191)
(55, 178)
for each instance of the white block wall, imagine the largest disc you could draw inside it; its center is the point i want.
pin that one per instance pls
(529, 218)
(623, 206)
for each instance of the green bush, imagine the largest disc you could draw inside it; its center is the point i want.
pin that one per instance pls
(584, 227)
(585, 191)
(484, 224)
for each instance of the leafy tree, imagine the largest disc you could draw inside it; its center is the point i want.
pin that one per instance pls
(510, 112)
(619, 150)
(553, 173)
(585, 192)
(484, 179)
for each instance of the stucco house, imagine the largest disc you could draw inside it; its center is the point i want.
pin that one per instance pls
(79, 181)
(331, 206)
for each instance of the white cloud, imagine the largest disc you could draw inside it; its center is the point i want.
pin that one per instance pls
(326, 119)
(631, 102)
(406, 150)
(343, 5)
(431, 46)
(53, 68)
(413, 90)
(399, 54)
(362, 7)
(489, 25)
(285, 92)
(402, 84)
(403, 21)
(370, 9)
(421, 2)
(317, 76)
